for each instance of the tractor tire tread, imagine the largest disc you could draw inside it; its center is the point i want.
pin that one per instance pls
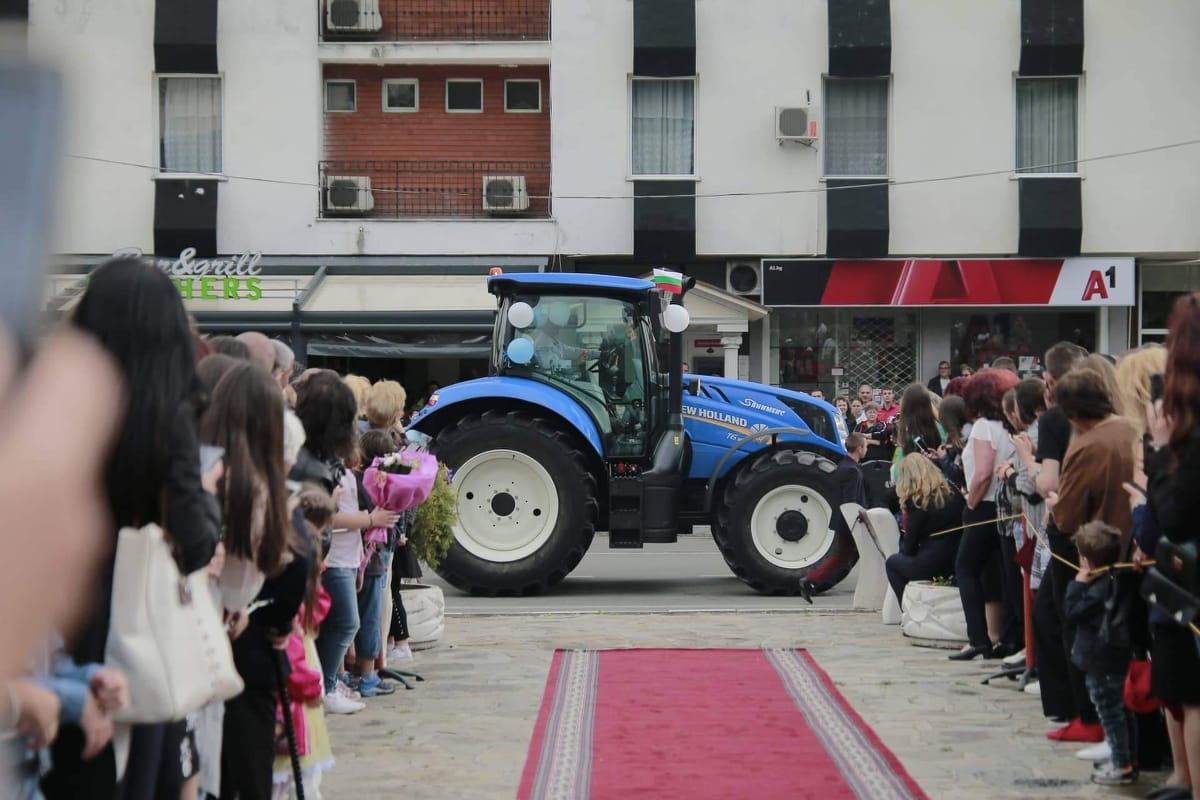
(745, 477)
(561, 441)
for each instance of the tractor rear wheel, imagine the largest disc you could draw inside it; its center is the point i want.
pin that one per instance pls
(780, 523)
(526, 503)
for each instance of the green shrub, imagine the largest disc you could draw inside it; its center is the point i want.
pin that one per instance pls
(432, 530)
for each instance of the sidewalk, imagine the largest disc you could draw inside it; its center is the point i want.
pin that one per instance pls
(463, 733)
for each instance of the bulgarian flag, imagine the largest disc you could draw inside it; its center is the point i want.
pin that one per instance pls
(668, 281)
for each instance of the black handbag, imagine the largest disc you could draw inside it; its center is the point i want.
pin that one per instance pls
(1172, 583)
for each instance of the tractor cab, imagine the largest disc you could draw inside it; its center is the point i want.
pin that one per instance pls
(595, 344)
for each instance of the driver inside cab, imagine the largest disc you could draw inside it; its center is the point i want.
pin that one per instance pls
(550, 351)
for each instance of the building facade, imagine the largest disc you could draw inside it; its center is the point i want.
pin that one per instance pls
(865, 187)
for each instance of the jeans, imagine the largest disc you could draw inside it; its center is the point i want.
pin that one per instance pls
(370, 601)
(1108, 696)
(1060, 578)
(340, 626)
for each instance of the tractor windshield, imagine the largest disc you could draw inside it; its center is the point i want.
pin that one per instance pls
(595, 350)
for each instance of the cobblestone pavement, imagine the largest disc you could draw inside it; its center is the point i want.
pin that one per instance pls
(463, 733)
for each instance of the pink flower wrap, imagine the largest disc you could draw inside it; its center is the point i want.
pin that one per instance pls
(395, 492)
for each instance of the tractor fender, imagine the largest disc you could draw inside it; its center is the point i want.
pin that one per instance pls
(774, 433)
(452, 402)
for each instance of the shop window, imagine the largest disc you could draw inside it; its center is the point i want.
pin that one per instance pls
(1047, 112)
(341, 96)
(663, 114)
(836, 350)
(976, 340)
(464, 95)
(856, 127)
(189, 124)
(401, 95)
(523, 96)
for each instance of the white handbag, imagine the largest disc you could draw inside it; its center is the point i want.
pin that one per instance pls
(165, 633)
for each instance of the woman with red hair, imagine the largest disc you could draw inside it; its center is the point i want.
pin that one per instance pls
(1172, 460)
(988, 446)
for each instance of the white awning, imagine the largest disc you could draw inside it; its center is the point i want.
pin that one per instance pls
(402, 293)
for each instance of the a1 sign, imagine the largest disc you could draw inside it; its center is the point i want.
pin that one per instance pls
(1094, 282)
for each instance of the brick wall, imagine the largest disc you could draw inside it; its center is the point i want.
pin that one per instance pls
(465, 19)
(385, 145)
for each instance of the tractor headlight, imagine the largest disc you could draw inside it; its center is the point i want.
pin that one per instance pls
(843, 431)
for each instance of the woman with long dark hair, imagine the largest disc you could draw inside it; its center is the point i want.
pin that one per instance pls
(153, 475)
(326, 406)
(245, 418)
(1172, 461)
(917, 427)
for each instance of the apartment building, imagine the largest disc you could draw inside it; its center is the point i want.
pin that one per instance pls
(864, 188)
(900, 182)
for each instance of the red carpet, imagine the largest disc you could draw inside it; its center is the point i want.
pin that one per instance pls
(697, 724)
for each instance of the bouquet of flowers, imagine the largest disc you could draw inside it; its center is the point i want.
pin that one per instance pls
(396, 482)
(400, 481)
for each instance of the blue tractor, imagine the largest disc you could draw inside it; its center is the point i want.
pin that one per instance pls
(581, 428)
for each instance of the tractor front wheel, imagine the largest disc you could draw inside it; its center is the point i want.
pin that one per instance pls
(780, 524)
(526, 503)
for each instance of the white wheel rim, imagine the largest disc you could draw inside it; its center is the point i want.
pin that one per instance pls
(507, 505)
(777, 550)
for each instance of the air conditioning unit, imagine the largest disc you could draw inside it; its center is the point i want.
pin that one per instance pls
(348, 195)
(743, 278)
(505, 193)
(797, 124)
(353, 16)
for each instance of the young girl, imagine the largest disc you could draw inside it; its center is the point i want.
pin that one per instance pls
(316, 757)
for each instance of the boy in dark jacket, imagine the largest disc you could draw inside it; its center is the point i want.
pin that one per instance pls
(1104, 665)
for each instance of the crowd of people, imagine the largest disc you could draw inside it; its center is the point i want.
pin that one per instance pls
(1073, 480)
(278, 521)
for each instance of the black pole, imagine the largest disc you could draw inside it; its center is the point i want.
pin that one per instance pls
(289, 725)
(675, 354)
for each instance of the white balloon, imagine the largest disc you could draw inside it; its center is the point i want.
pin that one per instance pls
(676, 318)
(520, 315)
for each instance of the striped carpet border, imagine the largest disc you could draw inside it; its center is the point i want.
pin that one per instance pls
(565, 761)
(868, 767)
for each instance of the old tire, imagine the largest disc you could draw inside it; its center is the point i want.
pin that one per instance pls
(526, 503)
(426, 610)
(779, 523)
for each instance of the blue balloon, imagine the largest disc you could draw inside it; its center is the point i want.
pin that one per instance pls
(520, 350)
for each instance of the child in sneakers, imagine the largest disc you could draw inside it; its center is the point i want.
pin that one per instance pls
(376, 567)
(1104, 665)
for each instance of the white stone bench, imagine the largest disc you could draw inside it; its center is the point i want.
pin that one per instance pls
(877, 536)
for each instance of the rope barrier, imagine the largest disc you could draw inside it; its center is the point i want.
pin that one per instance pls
(1041, 537)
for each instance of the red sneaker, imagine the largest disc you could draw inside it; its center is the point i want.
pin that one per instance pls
(1078, 731)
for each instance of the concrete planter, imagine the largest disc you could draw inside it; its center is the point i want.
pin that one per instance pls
(426, 608)
(933, 613)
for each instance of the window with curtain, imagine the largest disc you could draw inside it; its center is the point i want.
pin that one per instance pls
(189, 120)
(856, 127)
(663, 127)
(1047, 112)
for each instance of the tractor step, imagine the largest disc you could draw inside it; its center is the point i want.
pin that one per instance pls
(626, 515)
(625, 512)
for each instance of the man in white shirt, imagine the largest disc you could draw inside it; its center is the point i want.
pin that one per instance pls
(551, 353)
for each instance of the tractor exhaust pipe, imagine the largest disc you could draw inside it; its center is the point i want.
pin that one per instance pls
(675, 354)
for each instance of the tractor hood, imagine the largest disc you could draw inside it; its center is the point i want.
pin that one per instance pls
(720, 412)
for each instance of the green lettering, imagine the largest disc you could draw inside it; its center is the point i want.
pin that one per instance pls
(185, 287)
(254, 288)
(231, 288)
(207, 290)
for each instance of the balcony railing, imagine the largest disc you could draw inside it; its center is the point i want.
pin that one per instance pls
(435, 20)
(435, 189)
